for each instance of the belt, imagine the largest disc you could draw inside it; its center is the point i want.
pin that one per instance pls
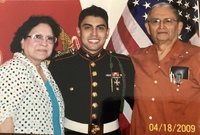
(87, 128)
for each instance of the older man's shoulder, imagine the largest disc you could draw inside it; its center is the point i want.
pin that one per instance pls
(142, 50)
(190, 46)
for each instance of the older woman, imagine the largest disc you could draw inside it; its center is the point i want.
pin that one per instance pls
(30, 100)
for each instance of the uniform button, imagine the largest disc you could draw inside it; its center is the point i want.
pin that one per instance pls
(94, 84)
(153, 99)
(99, 55)
(94, 94)
(71, 88)
(93, 64)
(177, 89)
(159, 66)
(135, 85)
(186, 52)
(94, 105)
(94, 116)
(87, 55)
(155, 81)
(150, 117)
(94, 73)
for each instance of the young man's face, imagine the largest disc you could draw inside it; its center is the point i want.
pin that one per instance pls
(93, 33)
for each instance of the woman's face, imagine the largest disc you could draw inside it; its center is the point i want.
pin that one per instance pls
(38, 45)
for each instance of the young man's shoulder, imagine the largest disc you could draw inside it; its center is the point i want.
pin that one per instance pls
(117, 55)
(64, 56)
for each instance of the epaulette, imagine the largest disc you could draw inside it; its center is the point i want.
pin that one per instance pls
(61, 55)
(69, 51)
(65, 55)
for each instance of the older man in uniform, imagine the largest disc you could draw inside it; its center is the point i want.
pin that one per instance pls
(96, 84)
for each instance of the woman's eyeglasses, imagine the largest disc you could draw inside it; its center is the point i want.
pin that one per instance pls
(40, 38)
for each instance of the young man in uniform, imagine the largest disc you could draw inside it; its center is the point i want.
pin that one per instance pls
(94, 81)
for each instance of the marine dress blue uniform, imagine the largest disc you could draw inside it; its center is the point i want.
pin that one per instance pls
(92, 85)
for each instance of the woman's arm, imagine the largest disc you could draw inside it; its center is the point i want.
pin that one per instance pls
(7, 126)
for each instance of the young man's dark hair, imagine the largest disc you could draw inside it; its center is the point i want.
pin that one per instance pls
(93, 11)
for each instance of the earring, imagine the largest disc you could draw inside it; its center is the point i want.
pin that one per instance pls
(22, 51)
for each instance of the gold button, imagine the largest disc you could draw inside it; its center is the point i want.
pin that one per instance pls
(99, 55)
(93, 64)
(94, 94)
(94, 73)
(71, 88)
(94, 105)
(94, 116)
(87, 55)
(94, 84)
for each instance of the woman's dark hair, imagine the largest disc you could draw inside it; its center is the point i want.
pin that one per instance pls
(93, 11)
(28, 25)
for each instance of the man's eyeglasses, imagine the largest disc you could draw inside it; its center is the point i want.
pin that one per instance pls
(40, 38)
(166, 21)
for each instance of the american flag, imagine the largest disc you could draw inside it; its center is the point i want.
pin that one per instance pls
(130, 32)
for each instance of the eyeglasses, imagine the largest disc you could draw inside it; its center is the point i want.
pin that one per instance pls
(166, 21)
(40, 38)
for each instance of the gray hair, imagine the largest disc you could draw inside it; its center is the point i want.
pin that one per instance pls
(164, 4)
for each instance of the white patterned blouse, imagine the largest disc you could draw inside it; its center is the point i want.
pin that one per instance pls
(24, 97)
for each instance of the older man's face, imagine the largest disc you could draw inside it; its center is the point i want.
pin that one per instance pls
(162, 25)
